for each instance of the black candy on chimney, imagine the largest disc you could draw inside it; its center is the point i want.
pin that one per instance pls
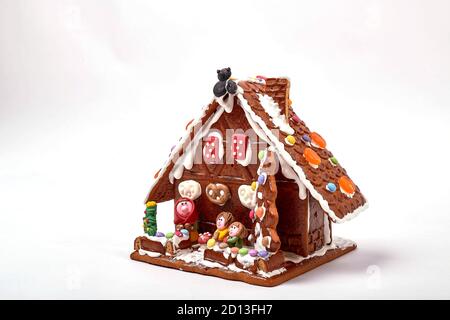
(224, 85)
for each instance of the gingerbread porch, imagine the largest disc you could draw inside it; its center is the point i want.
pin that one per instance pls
(255, 191)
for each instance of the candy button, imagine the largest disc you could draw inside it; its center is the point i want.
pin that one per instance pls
(178, 233)
(234, 250)
(253, 252)
(295, 118)
(260, 212)
(290, 140)
(262, 178)
(346, 186)
(312, 157)
(159, 234)
(243, 251)
(333, 161)
(211, 243)
(306, 138)
(253, 185)
(263, 253)
(251, 214)
(317, 141)
(169, 235)
(261, 155)
(331, 187)
(184, 231)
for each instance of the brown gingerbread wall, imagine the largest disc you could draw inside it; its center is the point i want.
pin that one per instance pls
(292, 226)
(316, 236)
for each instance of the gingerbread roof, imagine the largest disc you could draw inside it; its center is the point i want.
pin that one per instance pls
(267, 107)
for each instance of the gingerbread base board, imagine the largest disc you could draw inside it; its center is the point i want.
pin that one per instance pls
(292, 269)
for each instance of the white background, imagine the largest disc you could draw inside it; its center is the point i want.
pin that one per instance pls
(94, 93)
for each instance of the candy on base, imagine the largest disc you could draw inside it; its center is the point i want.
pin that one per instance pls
(211, 243)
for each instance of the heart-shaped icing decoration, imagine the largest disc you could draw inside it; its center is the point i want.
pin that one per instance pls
(247, 196)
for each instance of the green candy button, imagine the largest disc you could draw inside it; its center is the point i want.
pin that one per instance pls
(243, 251)
(261, 155)
(334, 160)
(169, 235)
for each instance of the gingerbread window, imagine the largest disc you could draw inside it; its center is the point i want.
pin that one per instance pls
(239, 146)
(213, 148)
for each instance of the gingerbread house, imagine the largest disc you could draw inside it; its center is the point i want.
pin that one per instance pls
(251, 155)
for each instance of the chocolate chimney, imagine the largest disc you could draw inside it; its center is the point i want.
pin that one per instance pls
(278, 89)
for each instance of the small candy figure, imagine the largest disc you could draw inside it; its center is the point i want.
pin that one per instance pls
(237, 234)
(223, 220)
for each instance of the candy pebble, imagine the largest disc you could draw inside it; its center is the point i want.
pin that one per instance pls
(253, 185)
(211, 243)
(253, 252)
(331, 187)
(333, 161)
(262, 178)
(263, 253)
(290, 140)
(178, 233)
(346, 185)
(159, 234)
(295, 118)
(251, 214)
(317, 140)
(306, 138)
(235, 250)
(261, 155)
(312, 157)
(169, 235)
(184, 231)
(243, 251)
(260, 212)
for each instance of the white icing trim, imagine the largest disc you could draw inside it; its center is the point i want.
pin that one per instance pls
(273, 110)
(226, 101)
(152, 254)
(272, 273)
(256, 123)
(337, 243)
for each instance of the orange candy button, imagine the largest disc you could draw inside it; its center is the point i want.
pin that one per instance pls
(346, 185)
(260, 212)
(317, 140)
(311, 156)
